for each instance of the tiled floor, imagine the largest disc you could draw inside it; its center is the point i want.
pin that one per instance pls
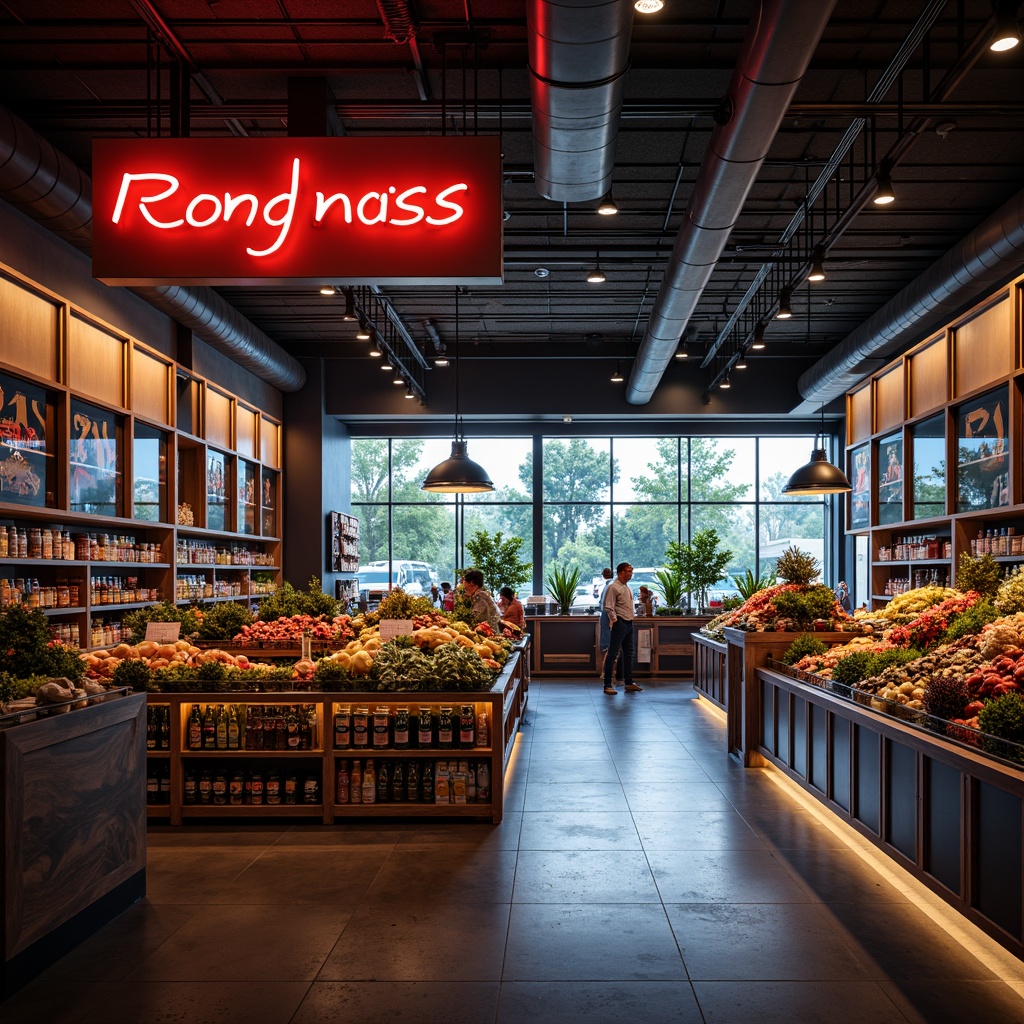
(639, 875)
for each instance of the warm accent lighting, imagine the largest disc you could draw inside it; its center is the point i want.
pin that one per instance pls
(682, 352)
(363, 334)
(441, 360)
(817, 272)
(758, 343)
(726, 383)
(375, 351)
(785, 298)
(883, 193)
(648, 6)
(398, 379)
(409, 393)
(327, 289)
(350, 305)
(819, 476)
(741, 362)
(616, 377)
(386, 365)
(458, 474)
(607, 207)
(596, 276)
(1007, 34)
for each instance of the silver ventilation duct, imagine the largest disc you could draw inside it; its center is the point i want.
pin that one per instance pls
(780, 41)
(47, 186)
(579, 54)
(988, 256)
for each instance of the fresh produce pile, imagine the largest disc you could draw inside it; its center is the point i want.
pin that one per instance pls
(798, 601)
(102, 664)
(908, 605)
(437, 657)
(288, 631)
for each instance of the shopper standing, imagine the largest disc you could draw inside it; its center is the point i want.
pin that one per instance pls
(843, 597)
(618, 602)
(604, 629)
(483, 608)
(447, 597)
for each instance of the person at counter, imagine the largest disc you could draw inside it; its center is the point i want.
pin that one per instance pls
(447, 597)
(618, 602)
(482, 606)
(511, 608)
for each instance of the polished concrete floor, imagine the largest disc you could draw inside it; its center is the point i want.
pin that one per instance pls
(639, 875)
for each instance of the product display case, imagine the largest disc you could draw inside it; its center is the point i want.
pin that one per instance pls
(294, 754)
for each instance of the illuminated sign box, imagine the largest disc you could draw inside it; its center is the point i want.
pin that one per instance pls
(297, 210)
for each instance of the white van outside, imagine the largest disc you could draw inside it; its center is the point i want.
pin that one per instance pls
(377, 578)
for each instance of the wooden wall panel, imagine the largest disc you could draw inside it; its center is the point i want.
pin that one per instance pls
(983, 347)
(218, 418)
(150, 387)
(96, 362)
(858, 416)
(270, 444)
(889, 399)
(29, 330)
(245, 431)
(929, 377)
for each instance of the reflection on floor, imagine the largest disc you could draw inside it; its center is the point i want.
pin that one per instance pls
(639, 874)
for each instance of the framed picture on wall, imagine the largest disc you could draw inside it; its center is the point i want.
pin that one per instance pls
(334, 527)
(860, 477)
(26, 432)
(96, 453)
(890, 479)
(983, 453)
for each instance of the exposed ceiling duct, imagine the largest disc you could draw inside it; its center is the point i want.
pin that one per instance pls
(779, 44)
(44, 184)
(579, 54)
(992, 253)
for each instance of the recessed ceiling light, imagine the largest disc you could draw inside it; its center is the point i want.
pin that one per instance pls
(542, 272)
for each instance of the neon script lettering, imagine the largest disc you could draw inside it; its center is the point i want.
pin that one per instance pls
(149, 190)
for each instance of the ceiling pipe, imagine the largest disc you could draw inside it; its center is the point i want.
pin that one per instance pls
(986, 258)
(780, 41)
(47, 186)
(579, 55)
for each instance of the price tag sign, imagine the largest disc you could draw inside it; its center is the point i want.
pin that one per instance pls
(390, 628)
(163, 632)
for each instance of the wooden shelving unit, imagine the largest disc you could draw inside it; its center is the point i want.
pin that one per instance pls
(505, 703)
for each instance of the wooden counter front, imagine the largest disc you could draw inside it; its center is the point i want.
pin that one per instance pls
(74, 821)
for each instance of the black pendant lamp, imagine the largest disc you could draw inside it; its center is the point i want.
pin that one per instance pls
(458, 474)
(819, 476)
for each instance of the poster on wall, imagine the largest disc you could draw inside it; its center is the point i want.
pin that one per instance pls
(335, 541)
(860, 477)
(95, 483)
(25, 417)
(216, 491)
(983, 453)
(890, 479)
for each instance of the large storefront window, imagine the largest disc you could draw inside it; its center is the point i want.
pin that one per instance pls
(603, 500)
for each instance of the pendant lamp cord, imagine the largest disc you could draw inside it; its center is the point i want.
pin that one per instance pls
(458, 419)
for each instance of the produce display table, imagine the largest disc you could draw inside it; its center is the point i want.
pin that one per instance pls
(504, 705)
(709, 669)
(951, 816)
(74, 829)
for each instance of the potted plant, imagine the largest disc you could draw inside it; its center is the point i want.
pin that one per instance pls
(562, 583)
(700, 564)
(498, 559)
(670, 586)
(748, 584)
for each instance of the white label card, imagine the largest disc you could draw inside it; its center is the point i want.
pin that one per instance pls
(390, 628)
(163, 632)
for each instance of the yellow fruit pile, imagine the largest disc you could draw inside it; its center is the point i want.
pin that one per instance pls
(100, 664)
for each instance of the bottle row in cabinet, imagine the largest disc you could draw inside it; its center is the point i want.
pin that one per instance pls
(220, 727)
(356, 782)
(427, 754)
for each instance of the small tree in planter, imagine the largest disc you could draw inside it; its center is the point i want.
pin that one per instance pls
(498, 560)
(670, 584)
(700, 564)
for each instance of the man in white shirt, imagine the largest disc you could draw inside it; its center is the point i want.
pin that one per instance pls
(618, 603)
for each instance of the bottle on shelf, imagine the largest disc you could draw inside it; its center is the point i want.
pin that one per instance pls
(355, 787)
(341, 783)
(369, 784)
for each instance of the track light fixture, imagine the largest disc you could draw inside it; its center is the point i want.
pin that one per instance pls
(683, 351)
(616, 377)
(350, 305)
(819, 476)
(385, 364)
(375, 350)
(1007, 33)
(409, 393)
(596, 276)
(327, 289)
(883, 192)
(441, 360)
(648, 6)
(785, 299)
(363, 333)
(726, 383)
(741, 361)
(817, 272)
(758, 343)
(607, 207)
(398, 379)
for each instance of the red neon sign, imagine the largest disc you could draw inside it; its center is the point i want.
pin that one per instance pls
(258, 211)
